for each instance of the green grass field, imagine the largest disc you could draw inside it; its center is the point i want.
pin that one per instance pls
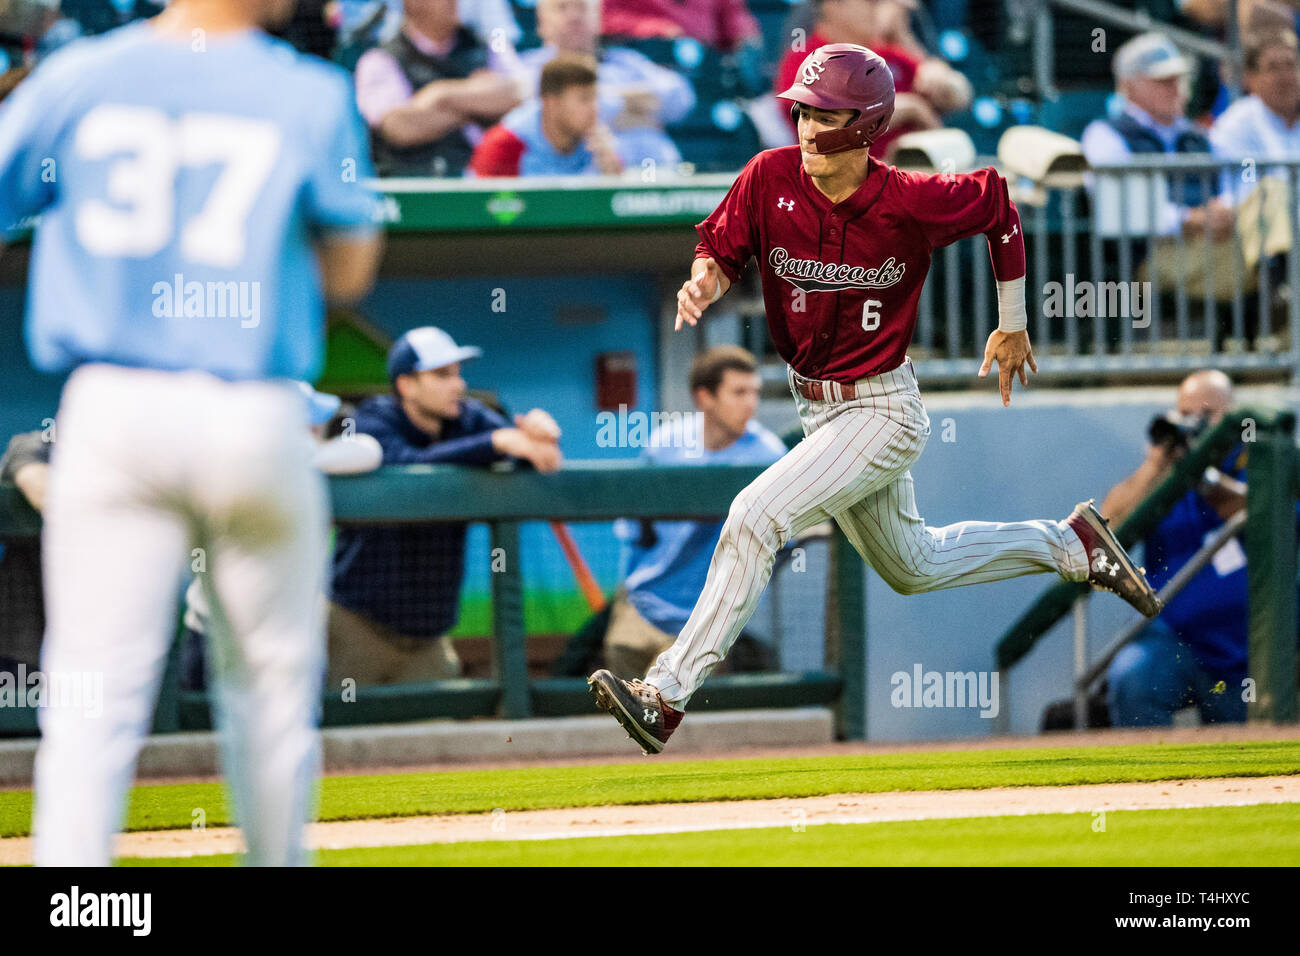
(1265, 835)
(1218, 836)
(156, 807)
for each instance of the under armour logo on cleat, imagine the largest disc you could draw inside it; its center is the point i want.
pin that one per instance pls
(1007, 237)
(650, 716)
(786, 204)
(1100, 565)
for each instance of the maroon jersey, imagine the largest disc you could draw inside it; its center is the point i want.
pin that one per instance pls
(841, 281)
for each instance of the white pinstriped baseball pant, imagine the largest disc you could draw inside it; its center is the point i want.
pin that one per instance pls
(852, 466)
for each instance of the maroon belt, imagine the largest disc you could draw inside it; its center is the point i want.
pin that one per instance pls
(815, 391)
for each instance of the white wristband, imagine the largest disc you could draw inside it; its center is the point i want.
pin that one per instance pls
(1012, 316)
(717, 291)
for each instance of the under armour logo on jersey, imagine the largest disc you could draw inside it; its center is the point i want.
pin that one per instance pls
(1102, 566)
(1007, 238)
(650, 716)
(784, 203)
(812, 71)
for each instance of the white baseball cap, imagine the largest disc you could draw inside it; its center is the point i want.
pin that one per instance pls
(425, 348)
(1152, 55)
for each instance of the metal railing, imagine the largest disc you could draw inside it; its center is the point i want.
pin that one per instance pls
(581, 491)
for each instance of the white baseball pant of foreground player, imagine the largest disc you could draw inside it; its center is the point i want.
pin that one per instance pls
(135, 486)
(851, 467)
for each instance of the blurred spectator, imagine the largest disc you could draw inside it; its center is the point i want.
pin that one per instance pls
(424, 92)
(396, 590)
(893, 27)
(637, 96)
(725, 25)
(1265, 124)
(925, 87)
(1200, 639)
(670, 559)
(25, 466)
(338, 452)
(1212, 95)
(1252, 15)
(560, 135)
(314, 27)
(1150, 75)
(493, 21)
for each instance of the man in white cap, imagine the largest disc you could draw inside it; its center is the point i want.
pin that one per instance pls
(396, 590)
(1151, 78)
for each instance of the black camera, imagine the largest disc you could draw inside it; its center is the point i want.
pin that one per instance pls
(1173, 431)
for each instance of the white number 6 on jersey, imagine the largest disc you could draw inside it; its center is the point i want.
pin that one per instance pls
(871, 315)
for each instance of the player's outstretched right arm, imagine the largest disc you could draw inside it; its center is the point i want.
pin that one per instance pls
(705, 286)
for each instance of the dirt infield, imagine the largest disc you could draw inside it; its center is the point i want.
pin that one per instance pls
(730, 815)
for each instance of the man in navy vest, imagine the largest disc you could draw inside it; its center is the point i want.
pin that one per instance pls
(425, 90)
(1151, 78)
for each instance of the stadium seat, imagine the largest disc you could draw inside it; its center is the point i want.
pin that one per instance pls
(1071, 110)
(716, 136)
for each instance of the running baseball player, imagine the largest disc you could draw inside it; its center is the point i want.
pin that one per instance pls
(190, 223)
(843, 243)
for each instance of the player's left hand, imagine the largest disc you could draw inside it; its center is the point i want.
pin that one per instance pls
(538, 425)
(1012, 352)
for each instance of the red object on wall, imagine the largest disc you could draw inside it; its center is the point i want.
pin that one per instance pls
(615, 380)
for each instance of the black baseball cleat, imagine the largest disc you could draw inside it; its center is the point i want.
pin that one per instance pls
(1109, 566)
(637, 707)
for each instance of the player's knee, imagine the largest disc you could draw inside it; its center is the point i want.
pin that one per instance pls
(907, 583)
(749, 521)
(903, 578)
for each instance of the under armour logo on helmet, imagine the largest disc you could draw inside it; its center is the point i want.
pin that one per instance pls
(812, 70)
(784, 203)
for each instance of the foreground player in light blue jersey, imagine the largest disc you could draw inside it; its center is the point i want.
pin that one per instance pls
(200, 188)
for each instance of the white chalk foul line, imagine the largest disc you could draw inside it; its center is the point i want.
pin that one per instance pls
(788, 823)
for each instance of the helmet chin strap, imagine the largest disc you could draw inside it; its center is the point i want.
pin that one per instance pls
(837, 140)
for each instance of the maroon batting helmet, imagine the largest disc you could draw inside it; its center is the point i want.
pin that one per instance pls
(845, 76)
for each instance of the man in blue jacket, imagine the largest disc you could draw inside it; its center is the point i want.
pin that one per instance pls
(1195, 652)
(397, 589)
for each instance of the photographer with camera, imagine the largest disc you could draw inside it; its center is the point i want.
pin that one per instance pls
(1195, 651)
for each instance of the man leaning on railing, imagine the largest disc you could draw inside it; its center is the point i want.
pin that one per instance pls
(396, 590)
(1195, 652)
